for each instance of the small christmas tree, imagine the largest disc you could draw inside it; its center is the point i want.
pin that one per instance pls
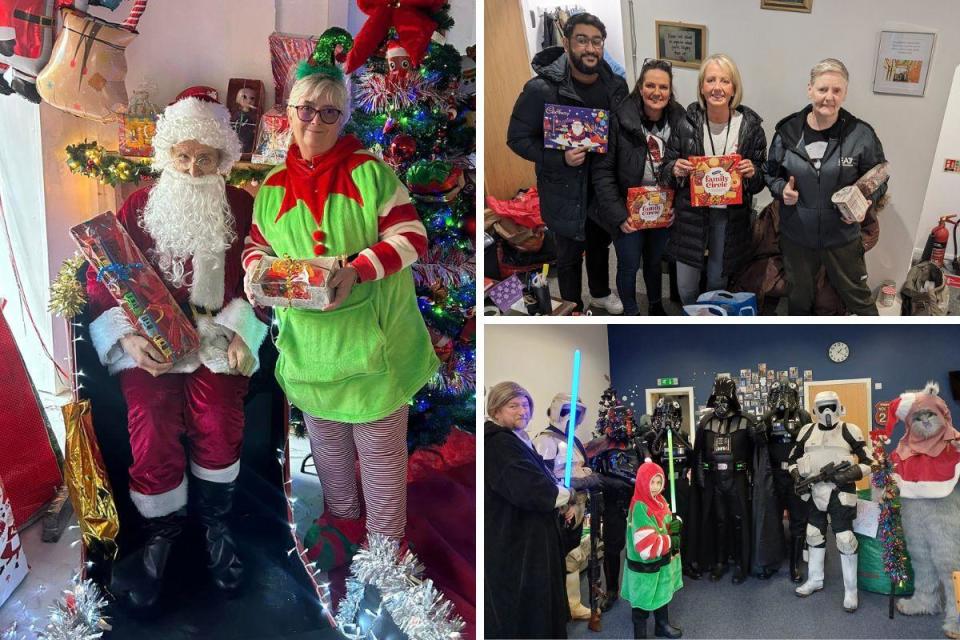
(420, 120)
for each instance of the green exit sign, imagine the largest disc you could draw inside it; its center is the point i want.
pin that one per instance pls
(667, 382)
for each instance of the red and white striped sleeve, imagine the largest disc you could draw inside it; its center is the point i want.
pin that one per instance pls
(650, 544)
(402, 239)
(255, 246)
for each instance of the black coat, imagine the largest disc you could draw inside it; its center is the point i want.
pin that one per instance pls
(564, 191)
(524, 590)
(814, 222)
(624, 164)
(688, 236)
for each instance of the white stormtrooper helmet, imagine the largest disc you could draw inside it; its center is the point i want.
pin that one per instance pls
(827, 408)
(559, 411)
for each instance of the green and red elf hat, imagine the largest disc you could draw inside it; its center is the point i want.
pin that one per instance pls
(332, 48)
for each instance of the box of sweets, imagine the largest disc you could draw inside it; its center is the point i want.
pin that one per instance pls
(649, 207)
(715, 181)
(566, 127)
(137, 288)
(285, 282)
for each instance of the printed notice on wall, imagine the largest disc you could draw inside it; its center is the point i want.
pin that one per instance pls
(903, 62)
(868, 518)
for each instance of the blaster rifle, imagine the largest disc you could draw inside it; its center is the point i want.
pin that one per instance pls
(827, 474)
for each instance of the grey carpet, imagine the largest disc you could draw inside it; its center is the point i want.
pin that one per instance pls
(770, 609)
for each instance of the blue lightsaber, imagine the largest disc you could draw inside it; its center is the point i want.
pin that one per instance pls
(572, 425)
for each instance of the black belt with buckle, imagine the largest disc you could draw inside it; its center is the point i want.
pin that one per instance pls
(20, 14)
(724, 466)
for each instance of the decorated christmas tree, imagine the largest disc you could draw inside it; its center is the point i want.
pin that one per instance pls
(414, 108)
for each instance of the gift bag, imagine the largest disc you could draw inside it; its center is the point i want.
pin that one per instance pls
(88, 483)
(13, 562)
(88, 67)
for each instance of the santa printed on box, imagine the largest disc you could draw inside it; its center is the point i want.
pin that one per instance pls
(191, 227)
(926, 468)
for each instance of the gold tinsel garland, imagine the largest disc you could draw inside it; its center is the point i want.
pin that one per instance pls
(92, 160)
(68, 296)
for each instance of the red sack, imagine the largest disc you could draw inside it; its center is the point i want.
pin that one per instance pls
(136, 287)
(524, 209)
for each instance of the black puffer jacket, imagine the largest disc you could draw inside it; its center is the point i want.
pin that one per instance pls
(688, 237)
(624, 164)
(814, 222)
(564, 191)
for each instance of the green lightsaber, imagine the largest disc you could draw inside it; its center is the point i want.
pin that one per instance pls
(673, 482)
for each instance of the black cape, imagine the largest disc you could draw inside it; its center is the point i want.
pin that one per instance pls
(524, 591)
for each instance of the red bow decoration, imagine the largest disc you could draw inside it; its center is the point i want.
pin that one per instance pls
(410, 18)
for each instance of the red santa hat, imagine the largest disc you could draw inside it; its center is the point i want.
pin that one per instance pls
(196, 115)
(396, 50)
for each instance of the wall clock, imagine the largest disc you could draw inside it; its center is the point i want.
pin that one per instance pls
(838, 351)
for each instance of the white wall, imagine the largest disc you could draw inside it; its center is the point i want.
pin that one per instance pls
(775, 50)
(943, 187)
(607, 11)
(540, 359)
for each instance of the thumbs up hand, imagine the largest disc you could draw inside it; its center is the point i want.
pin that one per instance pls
(790, 193)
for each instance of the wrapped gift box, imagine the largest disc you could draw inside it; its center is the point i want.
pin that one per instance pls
(715, 181)
(13, 561)
(285, 282)
(273, 138)
(649, 207)
(137, 288)
(566, 127)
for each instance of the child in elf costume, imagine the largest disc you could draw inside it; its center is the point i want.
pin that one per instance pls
(653, 571)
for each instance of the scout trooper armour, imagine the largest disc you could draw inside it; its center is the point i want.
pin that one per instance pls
(828, 441)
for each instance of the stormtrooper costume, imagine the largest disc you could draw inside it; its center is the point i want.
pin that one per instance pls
(830, 440)
(551, 444)
(783, 420)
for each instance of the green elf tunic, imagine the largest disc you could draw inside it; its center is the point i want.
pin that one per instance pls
(367, 358)
(653, 572)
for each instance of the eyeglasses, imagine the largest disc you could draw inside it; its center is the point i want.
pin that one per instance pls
(204, 162)
(657, 62)
(306, 113)
(583, 41)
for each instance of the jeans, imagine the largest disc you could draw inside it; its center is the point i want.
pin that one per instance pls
(632, 249)
(688, 278)
(570, 258)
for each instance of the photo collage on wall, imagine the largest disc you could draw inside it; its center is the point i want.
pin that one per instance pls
(754, 385)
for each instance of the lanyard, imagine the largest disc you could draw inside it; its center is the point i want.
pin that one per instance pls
(725, 140)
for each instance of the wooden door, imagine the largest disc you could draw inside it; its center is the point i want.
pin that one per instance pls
(506, 69)
(855, 396)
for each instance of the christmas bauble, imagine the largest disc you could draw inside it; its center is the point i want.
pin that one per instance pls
(403, 147)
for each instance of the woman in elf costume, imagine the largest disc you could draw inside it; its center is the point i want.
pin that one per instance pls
(653, 571)
(353, 366)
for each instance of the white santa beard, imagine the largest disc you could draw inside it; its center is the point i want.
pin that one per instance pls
(190, 217)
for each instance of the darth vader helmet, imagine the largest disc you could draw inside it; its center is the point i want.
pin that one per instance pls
(724, 400)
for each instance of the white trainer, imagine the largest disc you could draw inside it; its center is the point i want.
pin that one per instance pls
(611, 304)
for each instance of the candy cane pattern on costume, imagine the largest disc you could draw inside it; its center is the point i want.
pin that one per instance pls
(650, 544)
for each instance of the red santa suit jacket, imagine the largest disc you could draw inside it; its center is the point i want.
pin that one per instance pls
(225, 315)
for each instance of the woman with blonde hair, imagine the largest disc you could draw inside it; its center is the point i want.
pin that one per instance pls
(353, 366)
(525, 594)
(716, 239)
(816, 152)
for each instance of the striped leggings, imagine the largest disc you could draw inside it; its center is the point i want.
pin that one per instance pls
(382, 445)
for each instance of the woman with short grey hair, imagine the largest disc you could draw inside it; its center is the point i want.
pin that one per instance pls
(816, 152)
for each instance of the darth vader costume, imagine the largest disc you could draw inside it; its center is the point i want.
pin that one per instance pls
(782, 423)
(736, 516)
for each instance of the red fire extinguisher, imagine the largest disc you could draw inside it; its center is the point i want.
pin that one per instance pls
(938, 240)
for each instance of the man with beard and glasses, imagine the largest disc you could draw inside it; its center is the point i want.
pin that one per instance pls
(574, 74)
(191, 227)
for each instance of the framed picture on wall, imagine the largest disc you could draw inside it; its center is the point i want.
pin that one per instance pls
(683, 44)
(903, 62)
(804, 6)
(245, 101)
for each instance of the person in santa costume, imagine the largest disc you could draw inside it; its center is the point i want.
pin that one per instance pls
(926, 469)
(26, 41)
(191, 227)
(354, 366)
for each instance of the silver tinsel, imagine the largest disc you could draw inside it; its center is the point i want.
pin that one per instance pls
(418, 609)
(77, 616)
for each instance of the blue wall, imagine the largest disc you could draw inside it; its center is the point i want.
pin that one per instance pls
(898, 356)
